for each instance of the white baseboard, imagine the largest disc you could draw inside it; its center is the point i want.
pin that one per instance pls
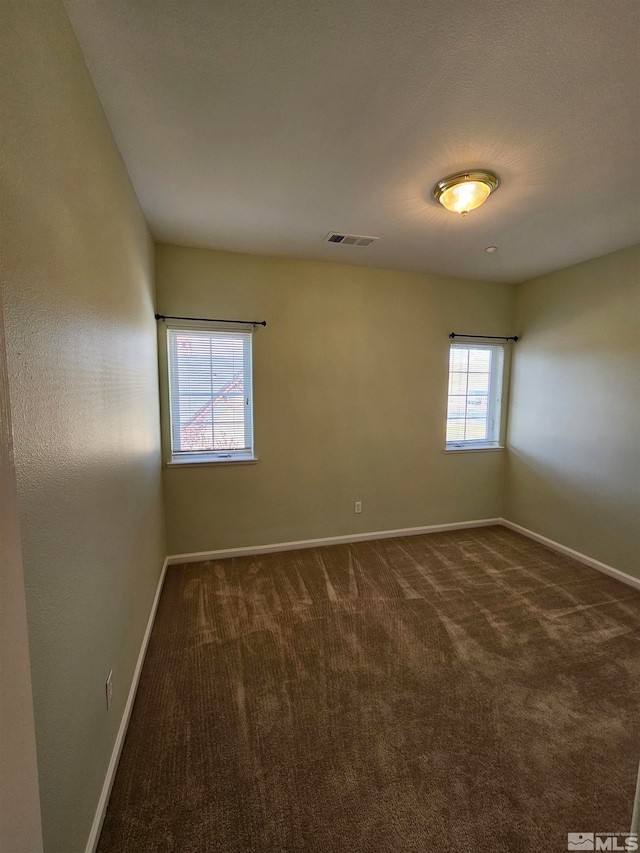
(575, 555)
(96, 827)
(199, 556)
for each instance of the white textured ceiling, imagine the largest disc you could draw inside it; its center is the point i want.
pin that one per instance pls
(260, 126)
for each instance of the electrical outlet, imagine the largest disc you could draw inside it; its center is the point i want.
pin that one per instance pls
(357, 506)
(109, 687)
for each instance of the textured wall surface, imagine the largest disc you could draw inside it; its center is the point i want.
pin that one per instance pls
(20, 829)
(81, 341)
(573, 470)
(350, 382)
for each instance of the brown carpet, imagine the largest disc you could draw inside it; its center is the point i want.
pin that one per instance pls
(465, 691)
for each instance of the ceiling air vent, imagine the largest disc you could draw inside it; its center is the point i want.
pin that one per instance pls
(350, 239)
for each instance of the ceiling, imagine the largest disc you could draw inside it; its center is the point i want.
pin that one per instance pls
(261, 126)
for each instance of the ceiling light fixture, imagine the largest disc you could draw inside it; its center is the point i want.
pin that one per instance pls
(491, 249)
(465, 191)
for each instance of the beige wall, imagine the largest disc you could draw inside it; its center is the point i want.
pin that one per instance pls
(20, 829)
(573, 471)
(350, 380)
(81, 342)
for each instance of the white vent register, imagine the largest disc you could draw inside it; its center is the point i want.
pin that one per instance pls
(350, 239)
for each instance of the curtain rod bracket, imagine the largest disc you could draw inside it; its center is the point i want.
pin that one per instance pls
(212, 320)
(485, 337)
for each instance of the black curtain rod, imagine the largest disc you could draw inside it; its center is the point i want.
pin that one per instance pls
(486, 337)
(212, 320)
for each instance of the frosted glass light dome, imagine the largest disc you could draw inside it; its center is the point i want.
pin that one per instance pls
(465, 191)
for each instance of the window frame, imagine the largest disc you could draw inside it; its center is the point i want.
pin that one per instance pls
(494, 400)
(210, 457)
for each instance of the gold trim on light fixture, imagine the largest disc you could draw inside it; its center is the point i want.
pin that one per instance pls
(465, 191)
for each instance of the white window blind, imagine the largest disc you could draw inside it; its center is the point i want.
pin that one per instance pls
(210, 394)
(475, 395)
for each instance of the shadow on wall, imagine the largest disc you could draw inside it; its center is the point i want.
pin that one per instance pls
(572, 506)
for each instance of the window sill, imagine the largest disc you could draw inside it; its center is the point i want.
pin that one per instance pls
(208, 460)
(475, 448)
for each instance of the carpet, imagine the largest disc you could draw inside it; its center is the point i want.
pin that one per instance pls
(464, 691)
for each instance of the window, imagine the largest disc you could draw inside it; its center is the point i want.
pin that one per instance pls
(210, 395)
(475, 394)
